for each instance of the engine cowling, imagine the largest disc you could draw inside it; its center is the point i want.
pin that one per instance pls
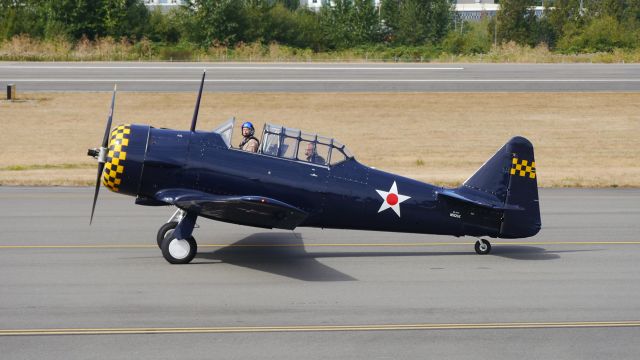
(125, 158)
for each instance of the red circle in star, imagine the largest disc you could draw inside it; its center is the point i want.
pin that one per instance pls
(392, 199)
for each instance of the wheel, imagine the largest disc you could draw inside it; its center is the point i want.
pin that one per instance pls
(164, 230)
(179, 251)
(483, 247)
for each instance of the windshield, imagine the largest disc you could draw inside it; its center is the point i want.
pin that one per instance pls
(226, 130)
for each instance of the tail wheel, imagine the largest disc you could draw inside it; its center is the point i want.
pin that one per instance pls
(483, 247)
(164, 231)
(179, 251)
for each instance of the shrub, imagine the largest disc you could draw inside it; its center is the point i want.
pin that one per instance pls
(474, 38)
(178, 52)
(600, 35)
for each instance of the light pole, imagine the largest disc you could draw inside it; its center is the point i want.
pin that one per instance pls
(495, 30)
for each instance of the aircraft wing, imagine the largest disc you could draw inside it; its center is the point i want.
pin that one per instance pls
(244, 210)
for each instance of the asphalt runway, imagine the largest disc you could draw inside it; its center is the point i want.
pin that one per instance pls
(315, 77)
(71, 291)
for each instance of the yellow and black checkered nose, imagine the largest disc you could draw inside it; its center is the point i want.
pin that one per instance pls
(114, 168)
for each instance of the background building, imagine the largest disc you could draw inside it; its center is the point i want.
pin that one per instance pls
(475, 2)
(152, 3)
(467, 9)
(317, 4)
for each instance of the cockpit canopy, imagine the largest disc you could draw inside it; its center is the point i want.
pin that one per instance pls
(293, 144)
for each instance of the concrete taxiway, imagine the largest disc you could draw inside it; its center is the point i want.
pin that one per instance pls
(315, 77)
(71, 291)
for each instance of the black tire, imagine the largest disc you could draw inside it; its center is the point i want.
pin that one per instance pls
(177, 258)
(164, 231)
(483, 247)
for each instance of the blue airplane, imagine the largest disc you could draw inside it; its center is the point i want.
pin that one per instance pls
(281, 186)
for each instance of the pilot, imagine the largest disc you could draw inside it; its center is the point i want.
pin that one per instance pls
(249, 142)
(312, 155)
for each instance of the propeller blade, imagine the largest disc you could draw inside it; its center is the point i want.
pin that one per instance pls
(107, 130)
(95, 194)
(102, 152)
(195, 112)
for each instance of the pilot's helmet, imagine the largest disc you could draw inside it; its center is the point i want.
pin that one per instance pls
(249, 126)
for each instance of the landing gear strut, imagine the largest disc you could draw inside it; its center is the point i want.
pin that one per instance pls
(175, 240)
(483, 247)
(169, 225)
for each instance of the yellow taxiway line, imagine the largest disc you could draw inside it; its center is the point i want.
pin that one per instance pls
(320, 328)
(417, 244)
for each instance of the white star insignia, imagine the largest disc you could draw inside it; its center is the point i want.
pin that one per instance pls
(391, 199)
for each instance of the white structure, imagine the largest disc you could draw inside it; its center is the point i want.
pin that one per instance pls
(477, 10)
(164, 2)
(312, 4)
(317, 4)
(466, 9)
(475, 1)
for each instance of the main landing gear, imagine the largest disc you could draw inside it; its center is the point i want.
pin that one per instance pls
(175, 240)
(483, 247)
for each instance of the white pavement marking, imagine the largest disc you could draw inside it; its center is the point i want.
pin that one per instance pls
(200, 68)
(335, 80)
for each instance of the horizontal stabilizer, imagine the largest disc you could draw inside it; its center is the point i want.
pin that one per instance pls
(485, 203)
(243, 210)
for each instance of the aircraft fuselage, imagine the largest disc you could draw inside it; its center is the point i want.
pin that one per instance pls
(343, 196)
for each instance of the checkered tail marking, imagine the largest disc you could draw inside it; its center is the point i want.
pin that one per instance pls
(523, 168)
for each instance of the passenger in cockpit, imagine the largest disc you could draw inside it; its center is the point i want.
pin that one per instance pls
(312, 155)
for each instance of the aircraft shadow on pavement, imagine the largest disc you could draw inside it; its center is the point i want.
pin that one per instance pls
(285, 254)
(277, 253)
(524, 252)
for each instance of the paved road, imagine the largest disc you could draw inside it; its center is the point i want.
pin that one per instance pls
(572, 292)
(301, 77)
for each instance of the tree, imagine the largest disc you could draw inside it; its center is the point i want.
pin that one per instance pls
(389, 14)
(214, 21)
(557, 14)
(125, 18)
(290, 4)
(517, 22)
(365, 22)
(80, 17)
(415, 22)
(164, 27)
(258, 20)
(621, 10)
(22, 17)
(336, 24)
(308, 31)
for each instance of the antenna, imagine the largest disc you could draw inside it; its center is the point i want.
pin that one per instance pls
(195, 112)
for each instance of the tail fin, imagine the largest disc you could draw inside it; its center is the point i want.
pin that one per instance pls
(509, 178)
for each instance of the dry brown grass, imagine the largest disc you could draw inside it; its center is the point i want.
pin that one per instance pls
(513, 53)
(581, 139)
(26, 48)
